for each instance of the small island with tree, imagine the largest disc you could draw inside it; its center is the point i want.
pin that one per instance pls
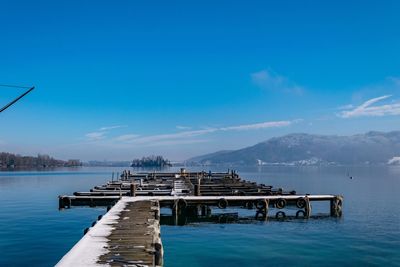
(151, 161)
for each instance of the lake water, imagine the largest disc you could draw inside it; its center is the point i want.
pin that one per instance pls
(33, 232)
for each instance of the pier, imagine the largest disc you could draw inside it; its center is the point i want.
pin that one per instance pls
(129, 233)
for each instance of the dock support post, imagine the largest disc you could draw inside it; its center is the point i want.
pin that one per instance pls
(61, 203)
(158, 254)
(198, 192)
(262, 206)
(307, 208)
(336, 206)
(175, 212)
(265, 210)
(91, 204)
(133, 190)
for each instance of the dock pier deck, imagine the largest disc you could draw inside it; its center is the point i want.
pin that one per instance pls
(129, 233)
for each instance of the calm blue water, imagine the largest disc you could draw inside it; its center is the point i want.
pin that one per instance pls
(33, 232)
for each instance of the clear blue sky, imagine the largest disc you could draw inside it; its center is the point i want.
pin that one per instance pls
(120, 79)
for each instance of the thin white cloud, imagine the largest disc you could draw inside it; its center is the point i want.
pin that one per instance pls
(100, 134)
(181, 127)
(256, 126)
(369, 109)
(163, 137)
(126, 137)
(345, 107)
(177, 142)
(270, 80)
(181, 137)
(95, 136)
(107, 128)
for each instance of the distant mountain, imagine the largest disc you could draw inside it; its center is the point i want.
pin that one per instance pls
(207, 156)
(308, 149)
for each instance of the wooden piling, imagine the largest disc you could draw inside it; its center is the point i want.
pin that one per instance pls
(198, 187)
(307, 208)
(133, 190)
(336, 206)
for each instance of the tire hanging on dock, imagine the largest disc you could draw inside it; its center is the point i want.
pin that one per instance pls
(260, 204)
(280, 203)
(301, 203)
(222, 203)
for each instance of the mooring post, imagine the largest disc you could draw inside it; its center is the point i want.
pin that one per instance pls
(199, 186)
(262, 206)
(175, 212)
(336, 206)
(69, 203)
(158, 254)
(307, 208)
(133, 190)
(60, 203)
(266, 209)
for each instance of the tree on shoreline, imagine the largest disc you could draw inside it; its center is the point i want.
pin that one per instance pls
(13, 161)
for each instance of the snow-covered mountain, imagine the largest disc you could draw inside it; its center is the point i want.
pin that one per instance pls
(308, 149)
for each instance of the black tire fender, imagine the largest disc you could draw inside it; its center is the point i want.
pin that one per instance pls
(222, 203)
(280, 203)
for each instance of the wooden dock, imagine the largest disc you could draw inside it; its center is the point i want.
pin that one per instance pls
(129, 233)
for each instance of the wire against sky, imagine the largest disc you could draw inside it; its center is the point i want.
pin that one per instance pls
(18, 98)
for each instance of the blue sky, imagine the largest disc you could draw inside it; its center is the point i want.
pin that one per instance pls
(117, 80)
